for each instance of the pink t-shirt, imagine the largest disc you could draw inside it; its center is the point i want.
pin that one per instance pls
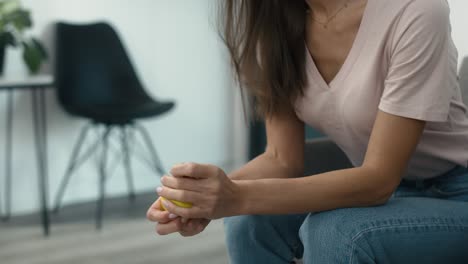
(402, 62)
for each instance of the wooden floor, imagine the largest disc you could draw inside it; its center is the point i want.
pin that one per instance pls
(126, 238)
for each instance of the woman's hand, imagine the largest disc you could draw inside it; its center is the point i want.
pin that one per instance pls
(169, 223)
(207, 187)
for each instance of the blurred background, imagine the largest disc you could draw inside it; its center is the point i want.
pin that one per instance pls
(177, 55)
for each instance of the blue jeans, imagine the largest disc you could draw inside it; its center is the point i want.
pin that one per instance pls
(422, 223)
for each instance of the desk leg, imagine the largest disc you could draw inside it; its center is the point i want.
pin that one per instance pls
(8, 154)
(39, 118)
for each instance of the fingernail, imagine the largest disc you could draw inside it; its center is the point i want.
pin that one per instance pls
(159, 189)
(166, 203)
(172, 216)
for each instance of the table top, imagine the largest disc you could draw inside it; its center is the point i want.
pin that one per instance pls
(26, 81)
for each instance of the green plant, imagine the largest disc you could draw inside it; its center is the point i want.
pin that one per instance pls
(14, 21)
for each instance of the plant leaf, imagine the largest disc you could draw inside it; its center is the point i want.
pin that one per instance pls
(33, 55)
(42, 50)
(20, 19)
(8, 39)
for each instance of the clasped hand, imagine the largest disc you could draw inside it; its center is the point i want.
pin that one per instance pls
(212, 195)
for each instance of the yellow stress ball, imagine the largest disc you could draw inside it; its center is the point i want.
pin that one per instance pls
(180, 204)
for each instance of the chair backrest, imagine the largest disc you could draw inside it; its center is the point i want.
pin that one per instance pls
(463, 76)
(92, 67)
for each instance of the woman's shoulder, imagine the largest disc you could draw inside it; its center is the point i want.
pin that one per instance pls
(432, 9)
(406, 16)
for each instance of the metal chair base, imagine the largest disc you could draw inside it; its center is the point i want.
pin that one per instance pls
(101, 148)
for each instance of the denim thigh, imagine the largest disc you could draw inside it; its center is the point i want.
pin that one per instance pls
(272, 239)
(418, 225)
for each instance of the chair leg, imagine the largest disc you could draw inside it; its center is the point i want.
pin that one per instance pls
(73, 163)
(127, 162)
(102, 177)
(8, 154)
(149, 143)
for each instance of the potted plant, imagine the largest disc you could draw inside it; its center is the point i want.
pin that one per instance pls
(14, 21)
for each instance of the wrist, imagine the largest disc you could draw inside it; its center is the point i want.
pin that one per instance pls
(241, 197)
(236, 176)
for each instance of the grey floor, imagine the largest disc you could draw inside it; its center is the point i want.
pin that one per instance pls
(126, 238)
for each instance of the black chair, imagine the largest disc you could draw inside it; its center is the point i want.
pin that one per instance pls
(96, 80)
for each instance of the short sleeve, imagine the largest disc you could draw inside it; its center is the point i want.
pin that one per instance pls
(419, 82)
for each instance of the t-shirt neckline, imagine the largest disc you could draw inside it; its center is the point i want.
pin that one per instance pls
(353, 54)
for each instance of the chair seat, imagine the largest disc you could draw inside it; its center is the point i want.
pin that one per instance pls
(121, 113)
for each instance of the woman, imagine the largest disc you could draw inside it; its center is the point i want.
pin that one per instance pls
(378, 77)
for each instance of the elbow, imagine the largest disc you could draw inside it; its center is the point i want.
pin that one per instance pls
(382, 187)
(383, 192)
(296, 170)
(381, 198)
(292, 166)
(293, 170)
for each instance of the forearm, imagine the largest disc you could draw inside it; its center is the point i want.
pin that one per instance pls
(357, 187)
(266, 167)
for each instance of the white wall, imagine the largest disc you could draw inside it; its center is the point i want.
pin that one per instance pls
(459, 18)
(176, 51)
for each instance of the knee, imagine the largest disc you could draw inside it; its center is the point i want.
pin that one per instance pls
(243, 230)
(328, 237)
(263, 238)
(326, 227)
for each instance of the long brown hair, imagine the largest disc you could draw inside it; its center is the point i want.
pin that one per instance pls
(265, 39)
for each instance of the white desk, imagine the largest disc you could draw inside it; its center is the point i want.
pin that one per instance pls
(37, 84)
(14, 82)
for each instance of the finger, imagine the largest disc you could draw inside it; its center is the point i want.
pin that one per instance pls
(204, 222)
(187, 233)
(169, 228)
(188, 184)
(193, 170)
(191, 228)
(160, 216)
(189, 213)
(188, 230)
(201, 224)
(157, 214)
(188, 224)
(156, 204)
(179, 195)
(195, 227)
